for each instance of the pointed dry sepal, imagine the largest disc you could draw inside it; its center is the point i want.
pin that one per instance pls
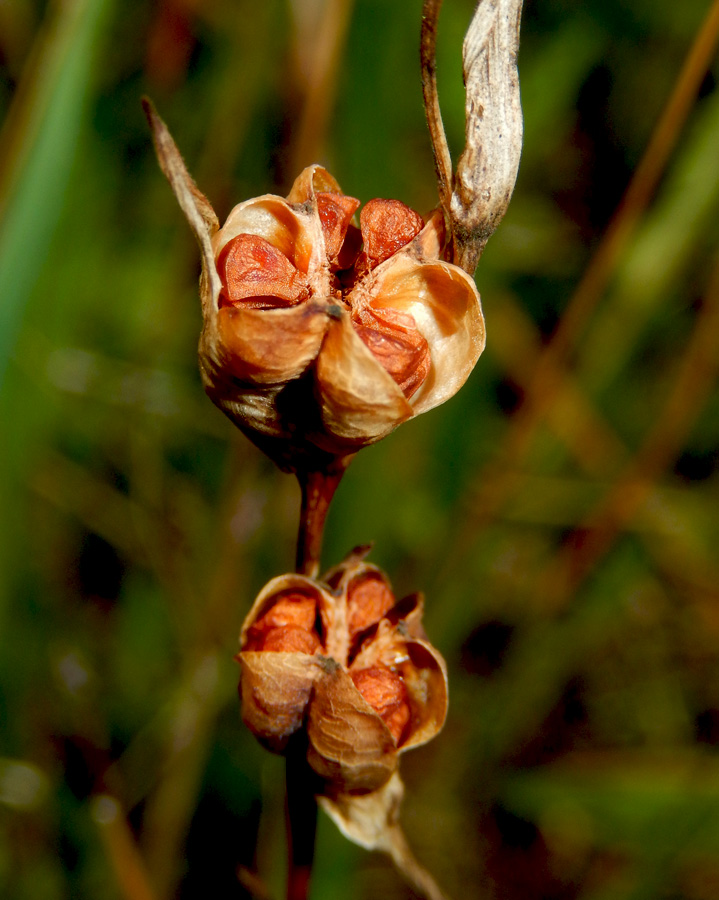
(487, 169)
(196, 207)
(372, 821)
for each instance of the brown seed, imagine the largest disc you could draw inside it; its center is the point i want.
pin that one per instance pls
(256, 274)
(367, 601)
(290, 609)
(297, 612)
(395, 342)
(335, 212)
(387, 226)
(285, 639)
(386, 693)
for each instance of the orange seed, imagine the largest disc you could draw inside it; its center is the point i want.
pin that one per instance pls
(386, 693)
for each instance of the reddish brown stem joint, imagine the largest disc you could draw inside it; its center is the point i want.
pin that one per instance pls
(318, 488)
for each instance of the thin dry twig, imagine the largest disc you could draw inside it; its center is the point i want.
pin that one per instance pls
(428, 60)
(476, 198)
(372, 822)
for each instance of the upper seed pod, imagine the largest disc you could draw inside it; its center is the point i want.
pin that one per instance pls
(347, 661)
(322, 335)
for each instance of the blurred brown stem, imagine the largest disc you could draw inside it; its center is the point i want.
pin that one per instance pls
(321, 36)
(122, 851)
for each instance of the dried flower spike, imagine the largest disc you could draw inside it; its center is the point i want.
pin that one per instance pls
(344, 660)
(322, 335)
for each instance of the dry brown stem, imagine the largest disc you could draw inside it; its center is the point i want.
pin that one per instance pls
(428, 58)
(318, 488)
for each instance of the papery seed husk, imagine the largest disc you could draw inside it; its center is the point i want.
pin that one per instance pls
(365, 819)
(424, 673)
(294, 232)
(341, 578)
(359, 402)
(276, 686)
(265, 346)
(283, 586)
(446, 309)
(312, 180)
(425, 677)
(253, 409)
(350, 745)
(352, 565)
(275, 690)
(487, 169)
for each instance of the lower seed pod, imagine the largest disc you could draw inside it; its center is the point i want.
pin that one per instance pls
(346, 661)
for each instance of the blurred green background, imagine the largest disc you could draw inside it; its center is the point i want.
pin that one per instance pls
(560, 512)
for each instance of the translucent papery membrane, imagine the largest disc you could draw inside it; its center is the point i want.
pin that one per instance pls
(349, 744)
(353, 566)
(425, 677)
(422, 670)
(275, 690)
(445, 305)
(359, 402)
(311, 181)
(294, 233)
(276, 687)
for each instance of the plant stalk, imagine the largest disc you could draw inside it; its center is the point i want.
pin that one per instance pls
(301, 819)
(318, 486)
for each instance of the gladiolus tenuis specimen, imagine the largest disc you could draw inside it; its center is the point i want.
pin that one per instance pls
(320, 336)
(345, 661)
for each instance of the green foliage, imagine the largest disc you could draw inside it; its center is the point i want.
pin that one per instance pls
(581, 632)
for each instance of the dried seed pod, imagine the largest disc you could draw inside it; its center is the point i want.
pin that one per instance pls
(344, 659)
(321, 336)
